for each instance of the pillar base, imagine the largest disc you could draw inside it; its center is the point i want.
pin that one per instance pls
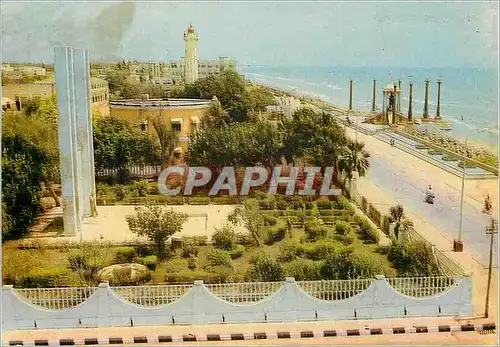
(458, 246)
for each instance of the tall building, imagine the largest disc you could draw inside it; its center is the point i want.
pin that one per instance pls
(190, 57)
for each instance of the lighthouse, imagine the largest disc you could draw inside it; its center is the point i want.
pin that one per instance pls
(190, 57)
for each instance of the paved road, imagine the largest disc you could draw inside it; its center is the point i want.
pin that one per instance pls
(444, 214)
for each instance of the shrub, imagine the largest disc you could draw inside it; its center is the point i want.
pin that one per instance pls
(342, 228)
(199, 201)
(220, 274)
(44, 278)
(176, 265)
(289, 250)
(269, 220)
(175, 200)
(322, 249)
(309, 205)
(151, 261)
(386, 225)
(323, 203)
(224, 200)
(297, 203)
(348, 264)
(144, 249)
(189, 248)
(153, 188)
(217, 257)
(201, 240)
(265, 268)
(315, 231)
(141, 188)
(188, 276)
(237, 251)
(366, 231)
(281, 204)
(125, 255)
(224, 238)
(302, 270)
(102, 189)
(345, 204)
(244, 239)
(192, 263)
(120, 192)
(268, 203)
(413, 258)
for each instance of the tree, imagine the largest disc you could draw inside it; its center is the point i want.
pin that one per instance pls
(313, 138)
(235, 96)
(166, 136)
(87, 260)
(354, 158)
(413, 258)
(40, 129)
(224, 238)
(265, 269)
(402, 224)
(22, 172)
(118, 145)
(239, 144)
(250, 216)
(215, 116)
(157, 224)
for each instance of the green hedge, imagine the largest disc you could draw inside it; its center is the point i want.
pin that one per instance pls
(199, 201)
(189, 276)
(323, 203)
(175, 200)
(366, 231)
(151, 261)
(224, 200)
(237, 251)
(125, 255)
(45, 278)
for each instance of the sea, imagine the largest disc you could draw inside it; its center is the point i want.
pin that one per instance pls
(469, 96)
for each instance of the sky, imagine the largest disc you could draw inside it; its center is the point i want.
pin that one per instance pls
(398, 34)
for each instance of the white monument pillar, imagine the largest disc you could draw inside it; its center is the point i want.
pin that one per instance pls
(190, 56)
(75, 135)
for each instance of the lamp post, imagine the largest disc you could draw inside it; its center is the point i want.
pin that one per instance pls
(458, 245)
(491, 230)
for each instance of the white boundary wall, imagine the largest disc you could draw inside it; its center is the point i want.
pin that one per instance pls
(198, 305)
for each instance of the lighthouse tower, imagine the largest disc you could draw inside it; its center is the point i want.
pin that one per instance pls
(190, 57)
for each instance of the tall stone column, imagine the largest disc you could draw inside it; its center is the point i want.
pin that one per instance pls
(374, 94)
(399, 96)
(426, 100)
(84, 127)
(394, 105)
(410, 103)
(75, 135)
(438, 108)
(350, 95)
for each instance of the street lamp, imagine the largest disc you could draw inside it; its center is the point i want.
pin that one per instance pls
(458, 245)
(491, 230)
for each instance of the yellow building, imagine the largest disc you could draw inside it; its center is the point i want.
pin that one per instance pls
(184, 115)
(20, 93)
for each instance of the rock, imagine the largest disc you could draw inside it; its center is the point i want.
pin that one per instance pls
(125, 274)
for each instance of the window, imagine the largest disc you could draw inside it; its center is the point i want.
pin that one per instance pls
(176, 126)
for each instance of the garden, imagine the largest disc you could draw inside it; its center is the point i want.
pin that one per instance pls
(288, 236)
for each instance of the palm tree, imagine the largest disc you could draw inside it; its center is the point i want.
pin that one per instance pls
(215, 115)
(354, 158)
(402, 224)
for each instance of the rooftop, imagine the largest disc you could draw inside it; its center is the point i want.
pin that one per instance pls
(160, 103)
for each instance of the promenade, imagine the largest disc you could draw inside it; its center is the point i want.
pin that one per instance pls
(398, 177)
